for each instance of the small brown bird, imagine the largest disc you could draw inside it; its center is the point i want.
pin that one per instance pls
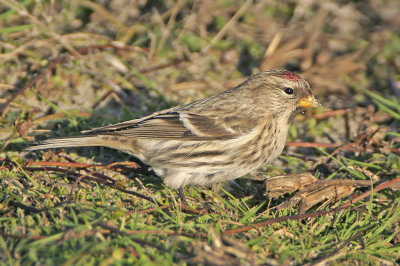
(212, 140)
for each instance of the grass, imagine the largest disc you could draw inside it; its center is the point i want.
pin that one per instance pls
(66, 207)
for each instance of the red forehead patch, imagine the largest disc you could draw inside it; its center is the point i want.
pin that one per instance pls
(290, 76)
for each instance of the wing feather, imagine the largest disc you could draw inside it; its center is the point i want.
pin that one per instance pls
(172, 125)
(126, 124)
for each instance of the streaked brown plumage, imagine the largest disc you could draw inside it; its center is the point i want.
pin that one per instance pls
(212, 140)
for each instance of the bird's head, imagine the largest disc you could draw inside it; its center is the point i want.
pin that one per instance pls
(281, 93)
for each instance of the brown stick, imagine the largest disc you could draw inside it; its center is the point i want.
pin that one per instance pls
(346, 147)
(314, 214)
(332, 113)
(82, 165)
(316, 144)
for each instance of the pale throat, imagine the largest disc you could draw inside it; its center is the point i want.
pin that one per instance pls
(283, 123)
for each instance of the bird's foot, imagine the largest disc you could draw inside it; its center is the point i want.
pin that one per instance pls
(182, 196)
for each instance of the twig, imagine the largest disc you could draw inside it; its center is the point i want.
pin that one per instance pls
(347, 147)
(161, 66)
(317, 144)
(227, 26)
(336, 182)
(332, 113)
(314, 214)
(368, 193)
(84, 165)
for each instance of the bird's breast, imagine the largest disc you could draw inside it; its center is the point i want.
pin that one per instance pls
(270, 143)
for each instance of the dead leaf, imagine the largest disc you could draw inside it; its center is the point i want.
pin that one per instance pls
(24, 128)
(322, 191)
(282, 184)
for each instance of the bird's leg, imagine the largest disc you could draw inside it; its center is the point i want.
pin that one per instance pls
(182, 196)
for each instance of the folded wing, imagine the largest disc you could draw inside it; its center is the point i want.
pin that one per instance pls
(172, 125)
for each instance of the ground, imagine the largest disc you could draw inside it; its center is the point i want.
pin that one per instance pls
(67, 66)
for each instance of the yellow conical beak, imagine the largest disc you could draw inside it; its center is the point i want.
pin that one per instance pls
(308, 101)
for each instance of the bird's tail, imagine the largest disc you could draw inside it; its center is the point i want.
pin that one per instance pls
(80, 141)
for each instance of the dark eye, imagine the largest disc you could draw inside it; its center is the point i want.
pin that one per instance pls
(288, 90)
